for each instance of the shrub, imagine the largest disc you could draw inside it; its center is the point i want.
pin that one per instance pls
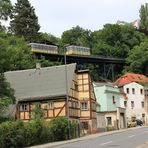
(22, 134)
(11, 134)
(59, 128)
(36, 132)
(74, 131)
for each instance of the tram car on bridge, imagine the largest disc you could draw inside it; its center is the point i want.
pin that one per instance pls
(43, 48)
(77, 50)
(51, 49)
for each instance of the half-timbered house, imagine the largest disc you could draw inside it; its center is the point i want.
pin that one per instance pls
(58, 90)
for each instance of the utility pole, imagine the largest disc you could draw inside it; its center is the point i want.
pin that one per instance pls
(67, 94)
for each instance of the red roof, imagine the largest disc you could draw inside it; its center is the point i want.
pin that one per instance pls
(131, 77)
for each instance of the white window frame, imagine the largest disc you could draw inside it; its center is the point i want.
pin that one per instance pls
(84, 105)
(23, 107)
(50, 105)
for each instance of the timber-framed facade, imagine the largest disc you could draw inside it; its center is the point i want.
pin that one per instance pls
(46, 88)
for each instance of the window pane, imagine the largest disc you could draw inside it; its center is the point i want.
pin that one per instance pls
(86, 87)
(84, 105)
(142, 104)
(133, 91)
(125, 103)
(132, 104)
(50, 105)
(127, 90)
(109, 120)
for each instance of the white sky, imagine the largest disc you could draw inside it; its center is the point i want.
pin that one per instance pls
(57, 16)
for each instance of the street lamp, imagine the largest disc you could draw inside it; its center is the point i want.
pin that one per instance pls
(67, 94)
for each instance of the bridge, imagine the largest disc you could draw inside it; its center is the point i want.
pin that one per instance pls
(82, 58)
(108, 66)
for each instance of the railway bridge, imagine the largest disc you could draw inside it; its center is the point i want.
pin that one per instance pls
(106, 67)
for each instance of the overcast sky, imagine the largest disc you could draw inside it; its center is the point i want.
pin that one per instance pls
(56, 16)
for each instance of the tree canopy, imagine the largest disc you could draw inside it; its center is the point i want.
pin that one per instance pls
(144, 18)
(76, 36)
(5, 9)
(15, 54)
(138, 59)
(115, 40)
(24, 20)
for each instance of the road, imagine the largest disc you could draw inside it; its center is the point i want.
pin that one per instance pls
(128, 139)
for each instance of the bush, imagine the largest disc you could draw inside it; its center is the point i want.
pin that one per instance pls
(22, 134)
(36, 132)
(11, 134)
(59, 128)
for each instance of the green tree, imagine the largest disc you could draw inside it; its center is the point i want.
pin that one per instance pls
(24, 20)
(138, 59)
(77, 36)
(115, 40)
(5, 9)
(15, 54)
(144, 18)
(47, 38)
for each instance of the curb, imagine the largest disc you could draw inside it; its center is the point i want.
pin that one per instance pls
(88, 137)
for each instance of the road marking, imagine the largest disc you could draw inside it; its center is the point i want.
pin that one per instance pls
(131, 136)
(106, 143)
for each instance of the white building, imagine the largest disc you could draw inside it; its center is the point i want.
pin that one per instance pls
(134, 101)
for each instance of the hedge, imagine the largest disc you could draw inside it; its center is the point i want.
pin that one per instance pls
(19, 134)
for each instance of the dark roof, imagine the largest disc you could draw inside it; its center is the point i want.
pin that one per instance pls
(40, 83)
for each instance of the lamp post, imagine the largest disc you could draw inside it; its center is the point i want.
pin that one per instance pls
(67, 94)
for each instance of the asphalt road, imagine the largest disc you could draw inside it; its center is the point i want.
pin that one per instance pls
(128, 139)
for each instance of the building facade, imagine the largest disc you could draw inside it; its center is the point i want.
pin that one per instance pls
(109, 97)
(146, 102)
(87, 101)
(57, 95)
(134, 101)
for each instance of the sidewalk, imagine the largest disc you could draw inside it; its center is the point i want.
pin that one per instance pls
(53, 144)
(145, 145)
